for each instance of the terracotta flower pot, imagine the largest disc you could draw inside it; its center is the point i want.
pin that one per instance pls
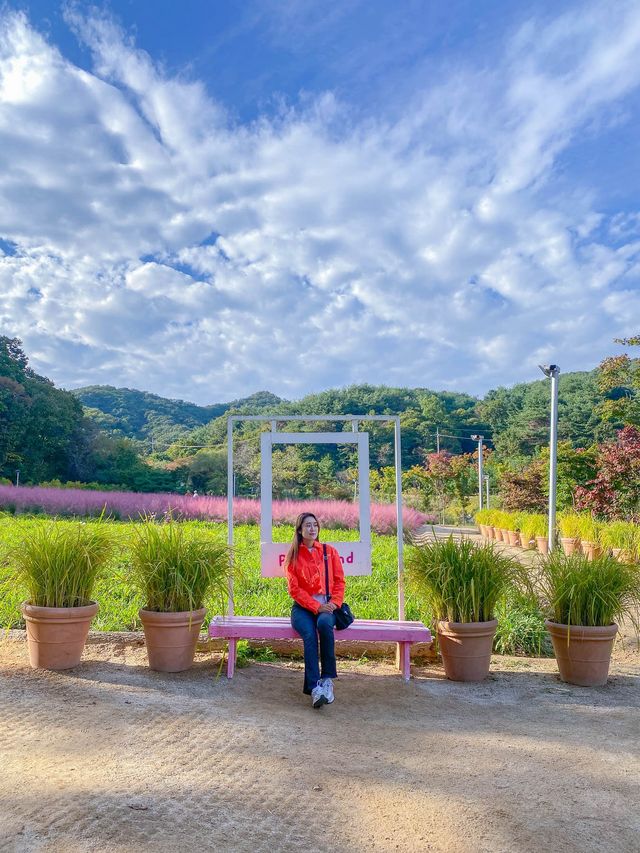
(490, 532)
(583, 653)
(56, 635)
(171, 638)
(591, 550)
(621, 555)
(569, 544)
(497, 534)
(466, 649)
(514, 538)
(543, 544)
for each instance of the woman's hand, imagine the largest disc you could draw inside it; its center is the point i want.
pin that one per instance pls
(329, 607)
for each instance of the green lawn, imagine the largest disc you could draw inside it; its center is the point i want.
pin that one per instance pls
(372, 597)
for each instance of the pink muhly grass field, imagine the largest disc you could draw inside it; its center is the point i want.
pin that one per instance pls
(132, 505)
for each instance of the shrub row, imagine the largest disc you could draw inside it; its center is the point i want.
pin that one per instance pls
(622, 538)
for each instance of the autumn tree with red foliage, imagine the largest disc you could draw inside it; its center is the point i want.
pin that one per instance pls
(523, 491)
(614, 493)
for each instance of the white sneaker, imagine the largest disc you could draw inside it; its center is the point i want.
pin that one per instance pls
(327, 686)
(318, 696)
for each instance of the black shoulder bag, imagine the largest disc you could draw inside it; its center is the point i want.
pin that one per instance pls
(343, 614)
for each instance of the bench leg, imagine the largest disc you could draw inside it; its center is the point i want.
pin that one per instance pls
(231, 660)
(404, 653)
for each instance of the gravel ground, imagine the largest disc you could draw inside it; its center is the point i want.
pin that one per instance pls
(112, 757)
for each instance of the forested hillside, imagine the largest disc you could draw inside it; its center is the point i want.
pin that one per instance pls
(143, 416)
(41, 427)
(519, 417)
(142, 441)
(44, 435)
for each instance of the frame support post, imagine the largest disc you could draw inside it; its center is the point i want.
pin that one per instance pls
(230, 497)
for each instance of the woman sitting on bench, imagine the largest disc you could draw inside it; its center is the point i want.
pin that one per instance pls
(312, 612)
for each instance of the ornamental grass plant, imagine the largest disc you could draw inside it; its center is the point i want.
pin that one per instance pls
(589, 530)
(624, 535)
(521, 629)
(485, 516)
(576, 591)
(532, 524)
(461, 581)
(569, 524)
(175, 567)
(59, 565)
(505, 520)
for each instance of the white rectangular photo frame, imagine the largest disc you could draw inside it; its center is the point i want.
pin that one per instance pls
(356, 555)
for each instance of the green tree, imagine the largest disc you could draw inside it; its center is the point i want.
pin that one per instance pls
(619, 382)
(418, 488)
(576, 466)
(39, 424)
(206, 472)
(463, 469)
(450, 477)
(382, 482)
(14, 406)
(118, 461)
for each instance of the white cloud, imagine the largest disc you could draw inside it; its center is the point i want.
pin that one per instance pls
(433, 250)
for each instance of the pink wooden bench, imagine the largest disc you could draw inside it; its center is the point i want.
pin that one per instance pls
(234, 628)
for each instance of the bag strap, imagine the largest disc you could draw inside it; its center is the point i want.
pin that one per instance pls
(326, 571)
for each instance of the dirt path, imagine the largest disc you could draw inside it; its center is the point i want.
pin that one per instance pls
(114, 758)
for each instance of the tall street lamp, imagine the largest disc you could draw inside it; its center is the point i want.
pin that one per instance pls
(479, 438)
(552, 372)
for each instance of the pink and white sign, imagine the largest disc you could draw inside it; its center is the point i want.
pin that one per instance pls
(355, 556)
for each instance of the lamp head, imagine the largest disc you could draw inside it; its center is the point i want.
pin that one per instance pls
(549, 369)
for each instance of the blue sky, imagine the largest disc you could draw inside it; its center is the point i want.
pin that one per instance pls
(204, 199)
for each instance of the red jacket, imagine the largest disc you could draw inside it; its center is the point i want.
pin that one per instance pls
(306, 577)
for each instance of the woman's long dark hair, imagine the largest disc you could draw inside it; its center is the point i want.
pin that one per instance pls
(292, 553)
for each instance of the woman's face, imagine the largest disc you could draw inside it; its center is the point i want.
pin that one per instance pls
(309, 528)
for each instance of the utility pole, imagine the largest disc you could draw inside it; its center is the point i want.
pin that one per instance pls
(479, 439)
(437, 439)
(17, 478)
